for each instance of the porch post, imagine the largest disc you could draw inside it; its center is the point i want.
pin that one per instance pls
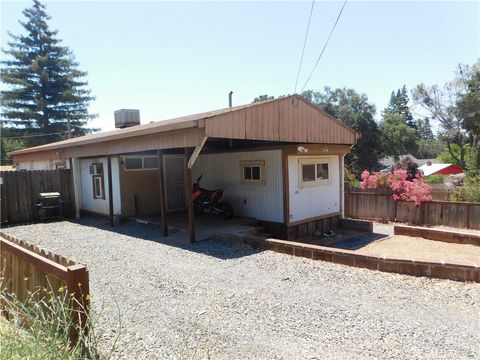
(110, 189)
(163, 209)
(77, 184)
(188, 195)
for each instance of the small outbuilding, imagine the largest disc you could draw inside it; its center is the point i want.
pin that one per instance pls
(281, 162)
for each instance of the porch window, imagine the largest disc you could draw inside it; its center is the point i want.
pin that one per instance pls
(136, 163)
(253, 171)
(314, 172)
(133, 163)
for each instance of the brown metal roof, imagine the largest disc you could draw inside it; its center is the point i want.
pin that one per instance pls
(290, 119)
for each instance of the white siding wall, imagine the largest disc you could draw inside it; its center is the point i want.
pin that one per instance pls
(100, 205)
(263, 202)
(313, 201)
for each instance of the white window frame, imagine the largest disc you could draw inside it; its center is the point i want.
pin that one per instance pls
(253, 163)
(313, 161)
(143, 157)
(101, 195)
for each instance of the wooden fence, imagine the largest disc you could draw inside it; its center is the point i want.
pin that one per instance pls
(26, 268)
(380, 205)
(19, 191)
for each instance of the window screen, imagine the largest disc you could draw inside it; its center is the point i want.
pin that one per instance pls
(308, 172)
(150, 163)
(252, 173)
(322, 171)
(133, 163)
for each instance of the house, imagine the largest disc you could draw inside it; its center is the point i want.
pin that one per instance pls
(281, 162)
(388, 161)
(430, 169)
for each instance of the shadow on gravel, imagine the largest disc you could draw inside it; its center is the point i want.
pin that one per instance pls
(177, 238)
(358, 242)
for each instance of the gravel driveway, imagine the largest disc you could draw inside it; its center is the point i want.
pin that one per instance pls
(227, 303)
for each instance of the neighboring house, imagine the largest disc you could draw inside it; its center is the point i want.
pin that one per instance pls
(388, 161)
(430, 169)
(281, 162)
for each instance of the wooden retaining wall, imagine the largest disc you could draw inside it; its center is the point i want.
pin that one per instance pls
(19, 191)
(24, 268)
(381, 206)
(450, 271)
(438, 235)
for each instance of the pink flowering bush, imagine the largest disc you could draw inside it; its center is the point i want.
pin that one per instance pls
(415, 190)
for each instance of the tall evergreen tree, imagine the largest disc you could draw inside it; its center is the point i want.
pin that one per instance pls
(46, 93)
(398, 105)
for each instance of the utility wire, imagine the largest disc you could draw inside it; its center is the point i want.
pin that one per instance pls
(324, 46)
(304, 44)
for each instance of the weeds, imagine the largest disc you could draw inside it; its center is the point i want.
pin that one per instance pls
(40, 327)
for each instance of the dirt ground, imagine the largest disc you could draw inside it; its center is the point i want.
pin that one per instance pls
(406, 247)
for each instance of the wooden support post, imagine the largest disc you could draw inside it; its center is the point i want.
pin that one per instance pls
(163, 209)
(188, 195)
(110, 189)
(78, 287)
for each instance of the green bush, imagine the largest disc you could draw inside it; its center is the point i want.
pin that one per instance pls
(435, 179)
(470, 190)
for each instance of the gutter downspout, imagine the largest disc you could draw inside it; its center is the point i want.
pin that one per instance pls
(343, 183)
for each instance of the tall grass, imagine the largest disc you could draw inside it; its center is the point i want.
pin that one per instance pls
(39, 327)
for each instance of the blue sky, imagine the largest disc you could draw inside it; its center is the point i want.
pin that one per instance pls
(176, 58)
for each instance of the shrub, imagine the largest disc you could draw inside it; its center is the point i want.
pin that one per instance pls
(409, 165)
(403, 189)
(470, 191)
(435, 179)
(351, 179)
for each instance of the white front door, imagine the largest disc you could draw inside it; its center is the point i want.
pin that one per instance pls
(173, 166)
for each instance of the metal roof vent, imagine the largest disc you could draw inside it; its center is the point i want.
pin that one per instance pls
(126, 117)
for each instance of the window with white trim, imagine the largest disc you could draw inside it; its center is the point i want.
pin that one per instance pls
(98, 187)
(314, 172)
(253, 171)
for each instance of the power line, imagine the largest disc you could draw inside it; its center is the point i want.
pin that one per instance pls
(325, 46)
(29, 136)
(304, 44)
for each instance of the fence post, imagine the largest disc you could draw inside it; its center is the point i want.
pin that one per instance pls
(469, 215)
(421, 211)
(78, 289)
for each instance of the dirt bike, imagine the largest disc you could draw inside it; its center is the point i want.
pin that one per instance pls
(204, 199)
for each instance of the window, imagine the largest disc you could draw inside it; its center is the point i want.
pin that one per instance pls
(314, 172)
(253, 171)
(60, 165)
(133, 163)
(140, 162)
(150, 162)
(98, 187)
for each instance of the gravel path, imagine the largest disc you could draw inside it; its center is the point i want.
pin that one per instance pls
(236, 304)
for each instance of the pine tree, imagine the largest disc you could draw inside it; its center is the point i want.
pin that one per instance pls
(398, 105)
(46, 93)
